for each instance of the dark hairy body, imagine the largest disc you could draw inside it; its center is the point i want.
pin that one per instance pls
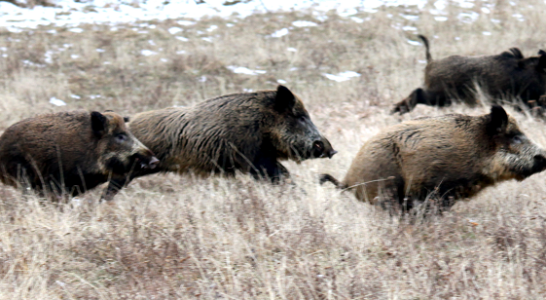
(70, 152)
(504, 77)
(248, 132)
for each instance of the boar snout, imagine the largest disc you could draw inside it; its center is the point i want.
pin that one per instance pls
(146, 159)
(321, 149)
(539, 163)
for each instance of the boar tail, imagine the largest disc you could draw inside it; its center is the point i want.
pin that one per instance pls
(332, 179)
(425, 41)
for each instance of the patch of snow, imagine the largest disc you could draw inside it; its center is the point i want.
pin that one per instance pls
(409, 28)
(212, 28)
(207, 39)
(148, 52)
(75, 97)
(280, 33)
(519, 17)
(186, 23)
(76, 30)
(246, 71)
(468, 17)
(357, 20)
(181, 38)
(486, 33)
(48, 57)
(72, 13)
(343, 76)
(280, 81)
(291, 49)
(99, 50)
(174, 30)
(56, 102)
(410, 17)
(304, 24)
(74, 56)
(414, 43)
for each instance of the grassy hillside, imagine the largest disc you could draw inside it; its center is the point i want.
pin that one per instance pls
(170, 236)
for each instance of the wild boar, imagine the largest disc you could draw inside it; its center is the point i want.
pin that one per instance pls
(452, 157)
(504, 77)
(248, 132)
(68, 153)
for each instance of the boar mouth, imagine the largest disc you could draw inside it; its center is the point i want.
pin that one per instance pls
(538, 166)
(147, 163)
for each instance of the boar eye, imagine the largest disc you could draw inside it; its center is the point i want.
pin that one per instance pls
(516, 139)
(120, 138)
(302, 118)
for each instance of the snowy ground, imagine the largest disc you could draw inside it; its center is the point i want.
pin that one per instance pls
(71, 13)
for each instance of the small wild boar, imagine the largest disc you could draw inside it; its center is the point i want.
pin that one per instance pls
(248, 132)
(451, 157)
(71, 152)
(502, 77)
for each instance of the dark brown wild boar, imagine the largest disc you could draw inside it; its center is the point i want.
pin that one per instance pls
(448, 157)
(248, 132)
(71, 152)
(506, 76)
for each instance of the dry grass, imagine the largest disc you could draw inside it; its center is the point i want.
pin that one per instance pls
(169, 236)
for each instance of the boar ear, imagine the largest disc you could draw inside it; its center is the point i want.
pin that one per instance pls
(541, 52)
(99, 123)
(498, 120)
(284, 100)
(541, 66)
(126, 119)
(516, 53)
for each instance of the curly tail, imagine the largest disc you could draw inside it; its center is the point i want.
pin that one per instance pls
(425, 41)
(332, 179)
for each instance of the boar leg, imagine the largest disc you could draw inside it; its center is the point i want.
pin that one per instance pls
(270, 168)
(409, 103)
(114, 185)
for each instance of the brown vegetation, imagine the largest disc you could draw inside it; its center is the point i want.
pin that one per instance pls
(171, 236)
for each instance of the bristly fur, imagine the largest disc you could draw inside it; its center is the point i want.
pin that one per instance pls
(249, 132)
(450, 157)
(502, 77)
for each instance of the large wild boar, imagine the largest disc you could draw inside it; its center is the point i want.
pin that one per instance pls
(71, 152)
(248, 132)
(506, 76)
(451, 157)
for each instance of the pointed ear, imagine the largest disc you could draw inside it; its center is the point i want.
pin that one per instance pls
(498, 120)
(284, 100)
(541, 66)
(516, 52)
(541, 52)
(99, 123)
